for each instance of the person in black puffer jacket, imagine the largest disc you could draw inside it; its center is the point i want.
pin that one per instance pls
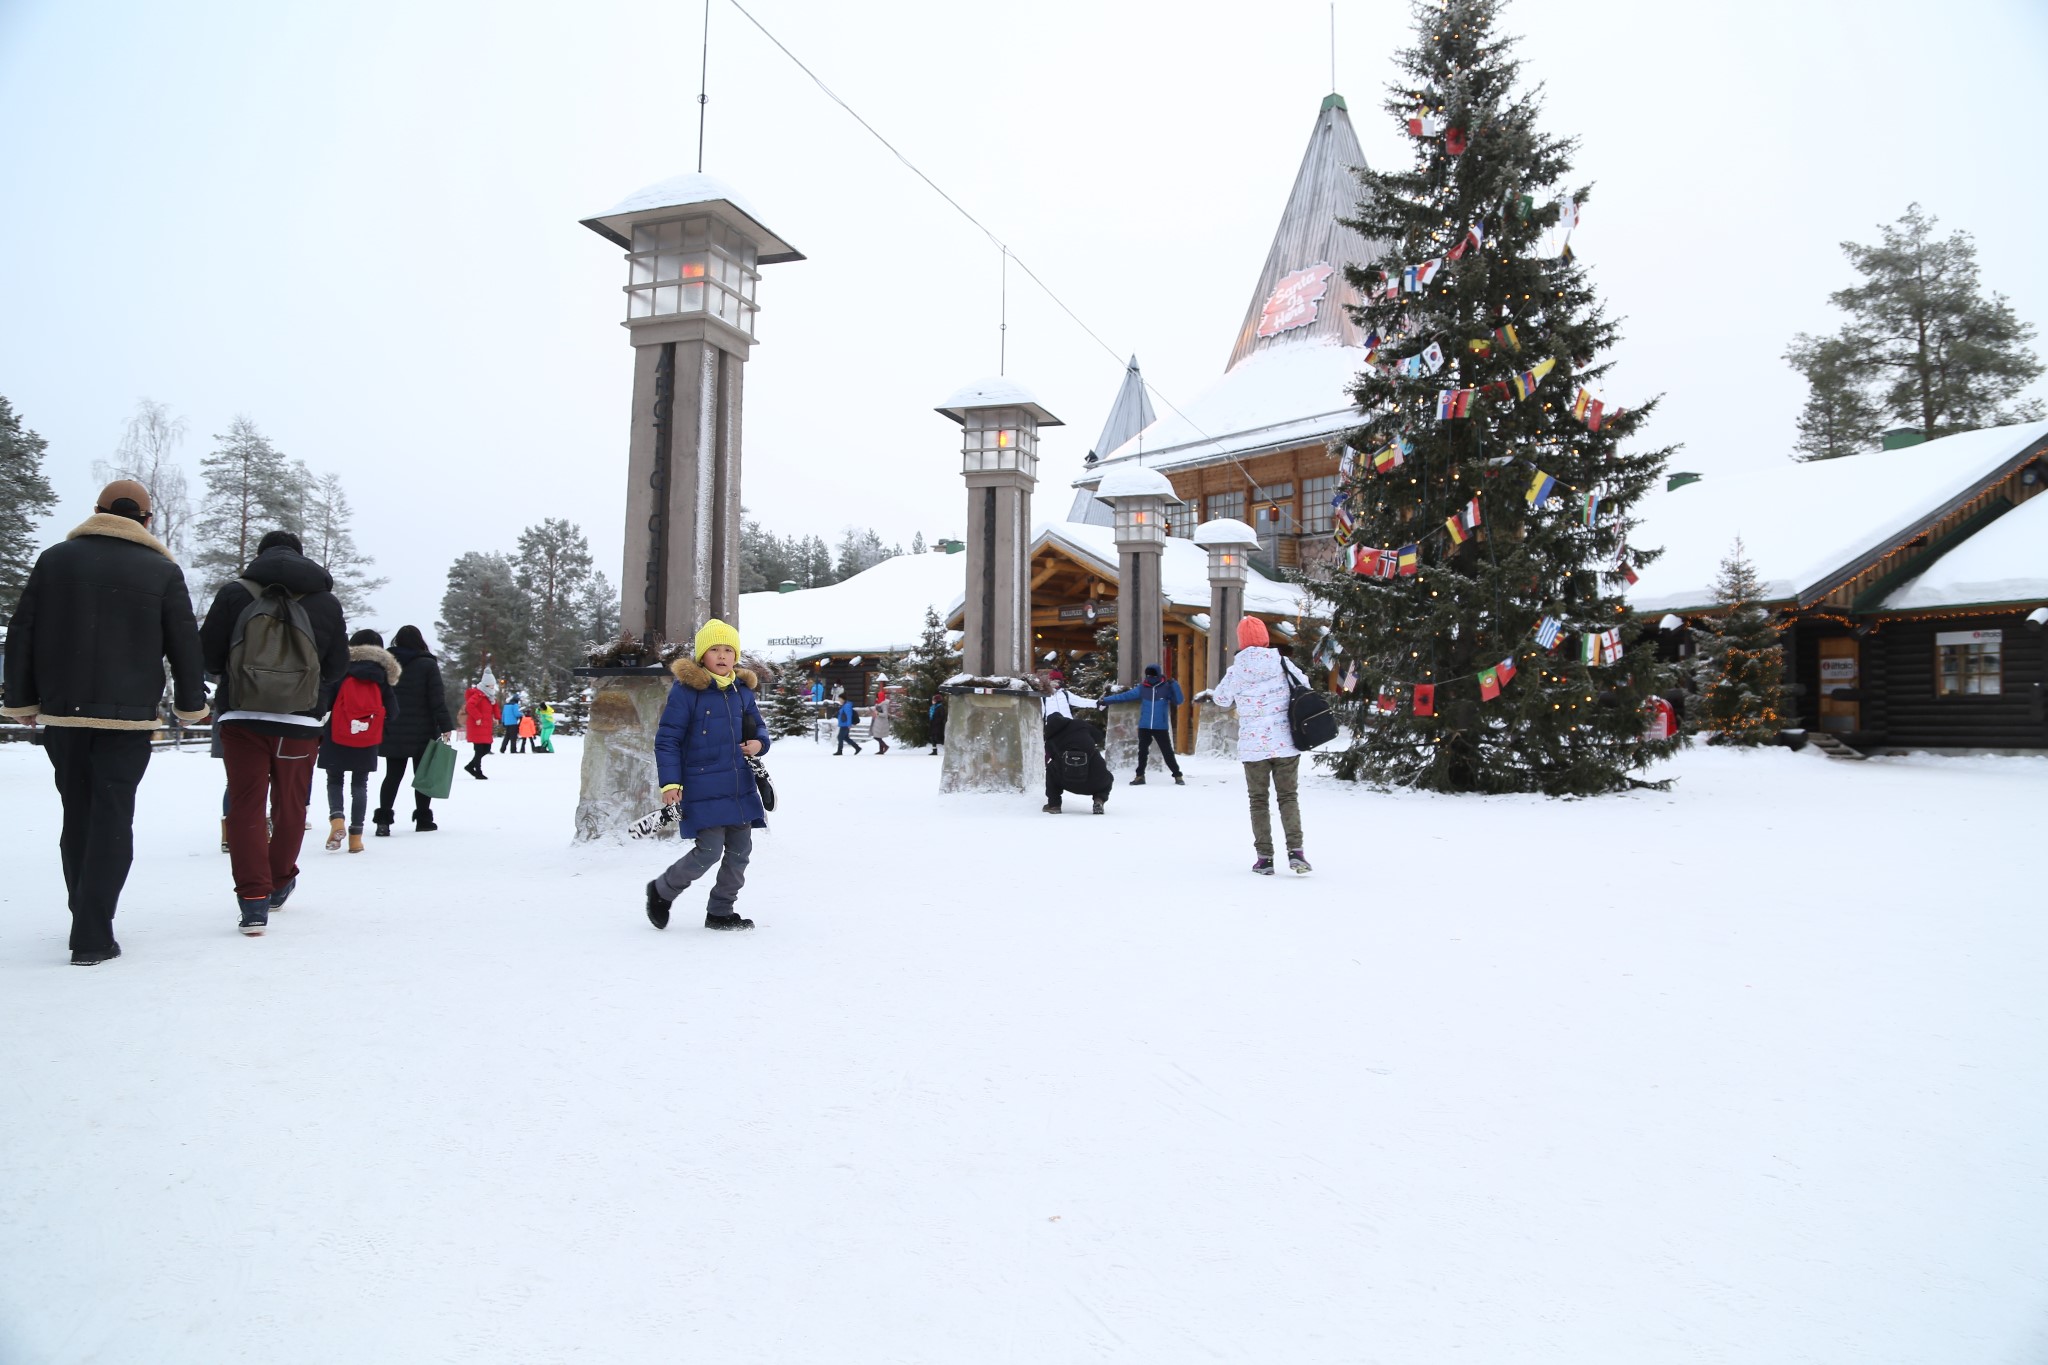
(422, 714)
(100, 615)
(369, 662)
(1073, 762)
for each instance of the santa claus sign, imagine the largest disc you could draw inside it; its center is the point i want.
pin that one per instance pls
(1294, 301)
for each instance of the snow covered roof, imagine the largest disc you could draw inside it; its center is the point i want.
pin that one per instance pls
(878, 611)
(997, 392)
(1225, 531)
(1804, 525)
(1270, 401)
(682, 191)
(1135, 481)
(2004, 563)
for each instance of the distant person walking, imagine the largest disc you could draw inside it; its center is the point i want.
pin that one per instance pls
(477, 712)
(1156, 696)
(277, 638)
(1256, 684)
(847, 717)
(701, 753)
(422, 714)
(359, 713)
(508, 717)
(547, 727)
(881, 720)
(101, 613)
(937, 717)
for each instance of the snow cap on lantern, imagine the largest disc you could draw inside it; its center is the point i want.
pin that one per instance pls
(1229, 543)
(1000, 421)
(1138, 498)
(693, 248)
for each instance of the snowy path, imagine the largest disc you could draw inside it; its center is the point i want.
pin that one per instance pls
(1755, 1071)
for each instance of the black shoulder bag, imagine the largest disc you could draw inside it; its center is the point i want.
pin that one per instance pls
(1310, 721)
(762, 782)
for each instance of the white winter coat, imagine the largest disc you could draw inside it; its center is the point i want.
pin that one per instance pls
(1060, 702)
(1258, 689)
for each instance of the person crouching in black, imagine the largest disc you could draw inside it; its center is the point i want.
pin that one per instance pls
(1073, 763)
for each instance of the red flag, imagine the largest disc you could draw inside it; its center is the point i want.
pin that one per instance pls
(1454, 141)
(1425, 699)
(1489, 685)
(1505, 670)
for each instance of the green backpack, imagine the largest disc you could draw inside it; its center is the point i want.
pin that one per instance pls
(273, 660)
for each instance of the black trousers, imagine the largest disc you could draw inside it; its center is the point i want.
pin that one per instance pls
(1053, 790)
(394, 774)
(97, 772)
(1164, 739)
(510, 743)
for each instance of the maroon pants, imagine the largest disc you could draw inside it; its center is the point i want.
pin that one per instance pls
(266, 771)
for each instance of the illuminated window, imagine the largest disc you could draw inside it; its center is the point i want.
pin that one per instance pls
(1967, 663)
(692, 265)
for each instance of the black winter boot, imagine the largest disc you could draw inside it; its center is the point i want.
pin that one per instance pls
(382, 820)
(731, 919)
(657, 908)
(1098, 805)
(423, 821)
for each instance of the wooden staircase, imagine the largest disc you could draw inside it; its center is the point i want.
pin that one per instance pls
(1832, 747)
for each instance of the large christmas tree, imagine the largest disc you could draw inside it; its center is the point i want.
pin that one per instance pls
(1485, 510)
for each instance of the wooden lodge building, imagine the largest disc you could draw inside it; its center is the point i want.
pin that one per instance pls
(1257, 445)
(1910, 586)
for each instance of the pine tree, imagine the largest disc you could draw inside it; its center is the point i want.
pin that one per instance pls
(554, 568)
(485, 611)
(148, 454)
(789, 704)
(25, 498)
(597, 612)
(926, 667)
(331, 543)
(251, 490)
(917, 543)
(1941, 356)
(1840, 417)
(1510, 326)
(1741, 665)
(1093, 675)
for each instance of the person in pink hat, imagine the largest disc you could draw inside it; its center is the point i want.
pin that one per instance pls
(1256, 685)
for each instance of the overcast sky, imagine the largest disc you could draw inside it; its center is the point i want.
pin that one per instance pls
(358, 224)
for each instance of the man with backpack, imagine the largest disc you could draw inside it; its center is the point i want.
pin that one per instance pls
(278, 641)
(101, 613)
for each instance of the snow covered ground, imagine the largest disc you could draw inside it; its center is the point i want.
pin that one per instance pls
(1753, 1071)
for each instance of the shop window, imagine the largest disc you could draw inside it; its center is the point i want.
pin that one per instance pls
(1180, 519)
(1968, 663)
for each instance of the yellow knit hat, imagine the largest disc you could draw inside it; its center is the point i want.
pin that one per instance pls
(716, 632)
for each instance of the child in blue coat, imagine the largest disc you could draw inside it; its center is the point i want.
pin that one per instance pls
(708, 729)
(847, 717)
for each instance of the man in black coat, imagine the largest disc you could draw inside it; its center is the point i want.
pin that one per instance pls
(1073, 762)
(85, 659)
(270, 755)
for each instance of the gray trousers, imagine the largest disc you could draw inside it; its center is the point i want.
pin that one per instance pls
(729, 848)
(1281, 773)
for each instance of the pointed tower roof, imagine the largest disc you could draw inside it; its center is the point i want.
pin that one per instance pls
(1130, 414)
(1301, 294)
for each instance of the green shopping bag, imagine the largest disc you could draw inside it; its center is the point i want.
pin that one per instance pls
(434, 774)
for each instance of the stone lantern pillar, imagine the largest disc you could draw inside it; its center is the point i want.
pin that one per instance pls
(694, 250)
(1137, 499)
(994, 742)
(1230, 543)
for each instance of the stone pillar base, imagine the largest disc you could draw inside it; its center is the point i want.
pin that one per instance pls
(1215, 731)
(995, 742)
(620, 783)
(1120, 738)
